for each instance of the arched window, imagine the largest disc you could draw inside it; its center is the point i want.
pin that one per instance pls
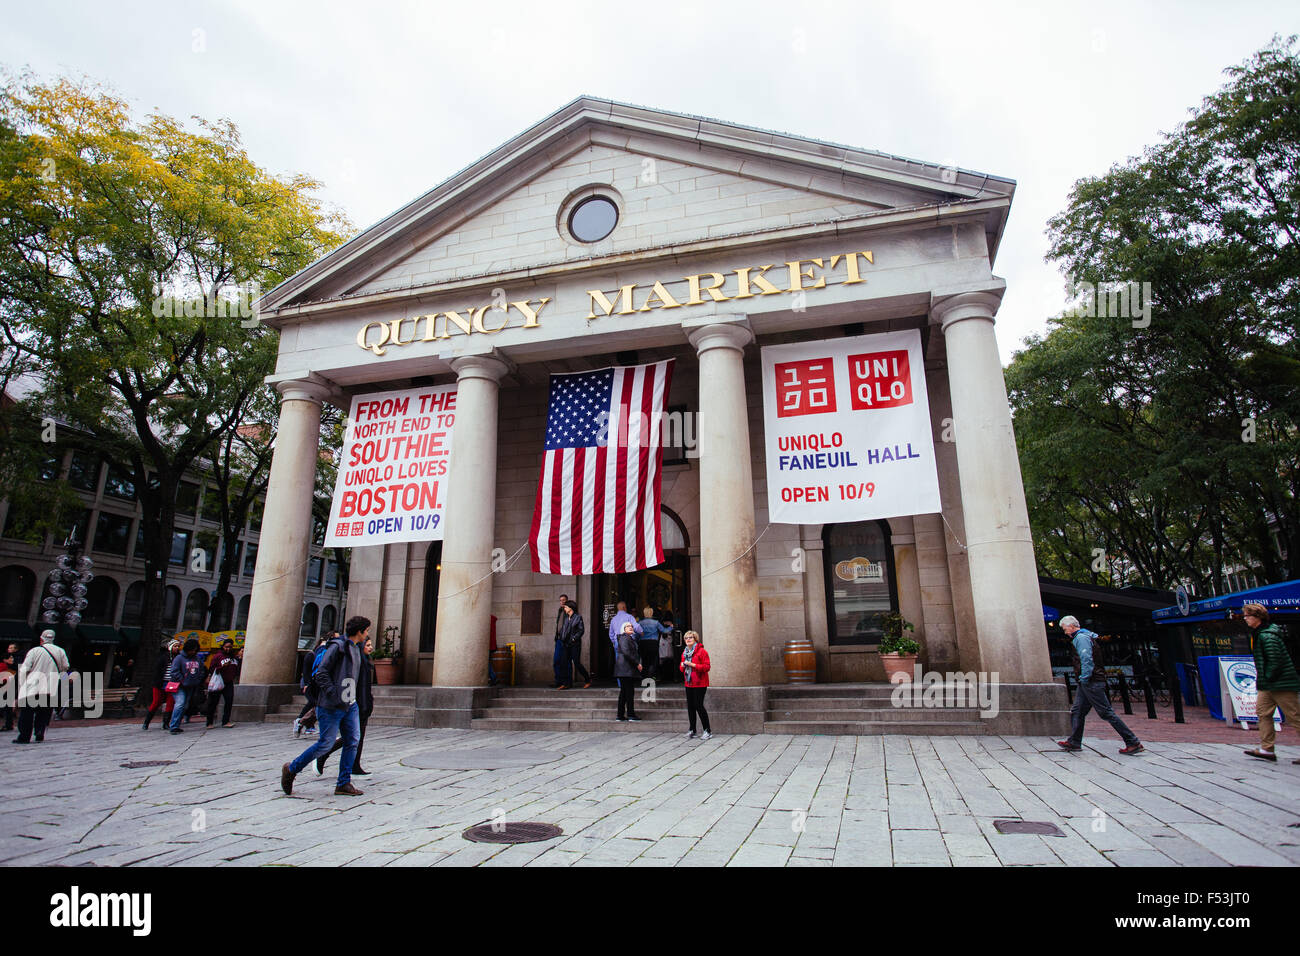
(196, 610)
(17, 584)
(672, 535)
(171, 614)
(223, 611)
(860, 588)
(327, 617)
(241, 616)
(133, 606)
(308, 628)
(101, 598)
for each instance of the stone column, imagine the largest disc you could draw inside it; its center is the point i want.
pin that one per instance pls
(460, 654)
(1000, 551)
(275, 609)
(728, 585)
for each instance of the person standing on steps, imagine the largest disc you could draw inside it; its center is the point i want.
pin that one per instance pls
(557, 662)
(336, 680)
(1276, 682)
(649, 643)
(1092, 690)
(365, 707)
(627, 668)
(695, 668)
(574, 628)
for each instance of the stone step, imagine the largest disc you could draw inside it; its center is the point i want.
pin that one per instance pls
(871, 728)
(562, 703)
(562, 725)
(824, 703)
(829, 690)
(406, 719)
(924, 715)
(578, 713)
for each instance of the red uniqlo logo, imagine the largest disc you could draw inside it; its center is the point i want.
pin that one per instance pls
(805, 388)
(880, 380)
(341, 529)
(357, 528)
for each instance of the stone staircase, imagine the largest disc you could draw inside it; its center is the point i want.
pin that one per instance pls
(860, 709)
(394, 707)
(593, 709)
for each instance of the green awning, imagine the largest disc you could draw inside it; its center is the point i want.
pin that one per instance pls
(130, 636)
(16, 631)
(99, 634)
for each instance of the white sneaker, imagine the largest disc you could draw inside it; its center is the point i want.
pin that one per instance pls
(297, 727)
(690, 735)
(706, 736)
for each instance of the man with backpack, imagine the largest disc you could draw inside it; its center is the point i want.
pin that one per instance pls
(1092, 690)
(335, 679)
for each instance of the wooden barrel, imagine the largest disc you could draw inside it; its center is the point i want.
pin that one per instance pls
(501, 658)
(800, 662)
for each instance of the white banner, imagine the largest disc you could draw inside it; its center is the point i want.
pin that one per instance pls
(847, 425)
(392, 481)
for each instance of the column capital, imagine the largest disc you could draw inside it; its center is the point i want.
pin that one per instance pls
(491, 366)
(305, 386)
(720, 332)
(949, 307)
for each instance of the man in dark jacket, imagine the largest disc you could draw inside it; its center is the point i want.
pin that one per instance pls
(365, 706)
(336, 678)
(561, 655)
(571, 637)
(1276, 682)
(627, 666)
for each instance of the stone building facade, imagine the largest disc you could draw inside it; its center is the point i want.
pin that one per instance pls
(724, 239)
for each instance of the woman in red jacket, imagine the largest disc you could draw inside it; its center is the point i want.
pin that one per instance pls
(695, 666)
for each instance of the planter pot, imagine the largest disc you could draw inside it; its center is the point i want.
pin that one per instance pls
(800, 662)
(898, 667)
(385, 671)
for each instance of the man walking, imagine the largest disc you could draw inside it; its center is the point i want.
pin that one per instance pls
(571, 638)
(336, 680)
(1092, 690)
(38, 687)
(1276, 681)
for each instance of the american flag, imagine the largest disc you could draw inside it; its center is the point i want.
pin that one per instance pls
(598, 495)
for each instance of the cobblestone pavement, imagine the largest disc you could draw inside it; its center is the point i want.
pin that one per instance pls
(641, 800)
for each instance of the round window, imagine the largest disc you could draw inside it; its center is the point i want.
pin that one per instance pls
(593, 219)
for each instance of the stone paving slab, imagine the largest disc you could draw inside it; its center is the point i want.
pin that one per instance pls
(653, 799)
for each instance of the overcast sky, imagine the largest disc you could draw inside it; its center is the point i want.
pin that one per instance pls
(382, 101)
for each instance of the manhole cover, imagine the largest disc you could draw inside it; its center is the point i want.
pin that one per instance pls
(481, 758)
(138, 764)
(512, 832)
(1027, 826)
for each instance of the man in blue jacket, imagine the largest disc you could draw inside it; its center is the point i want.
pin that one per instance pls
(336, 679)
(1092, 690)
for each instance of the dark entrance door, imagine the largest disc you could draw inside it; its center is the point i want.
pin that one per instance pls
(429, 617)
(664, 588)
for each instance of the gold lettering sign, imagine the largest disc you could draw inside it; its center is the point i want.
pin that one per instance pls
(744, 282)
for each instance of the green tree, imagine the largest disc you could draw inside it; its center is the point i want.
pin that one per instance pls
(129, 254)
(1175, 443)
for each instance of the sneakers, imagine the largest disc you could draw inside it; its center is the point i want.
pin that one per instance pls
(623, 719)
(1066, 745)
(347, 790)
(636, 718)
(706, 736)
(227, 725)
(286, 779)
(690, 735)
(320, 766)
(177, 730)
(1261, 754)
(1137, 749)
(297, 727)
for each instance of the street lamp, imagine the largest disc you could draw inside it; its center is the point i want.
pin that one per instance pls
(68, 581)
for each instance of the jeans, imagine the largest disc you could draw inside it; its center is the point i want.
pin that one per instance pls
(179, 701)
(1092, 694)
(361, 743)
(560, 663)
(331, 722)
(573, 662)
(695, 705)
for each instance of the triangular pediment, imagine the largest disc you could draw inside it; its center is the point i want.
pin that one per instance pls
(677, 181)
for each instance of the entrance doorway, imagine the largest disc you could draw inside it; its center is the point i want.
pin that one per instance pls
(665, 588)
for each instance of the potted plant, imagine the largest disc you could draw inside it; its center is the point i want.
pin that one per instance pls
(897, 653)
(383, 658)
